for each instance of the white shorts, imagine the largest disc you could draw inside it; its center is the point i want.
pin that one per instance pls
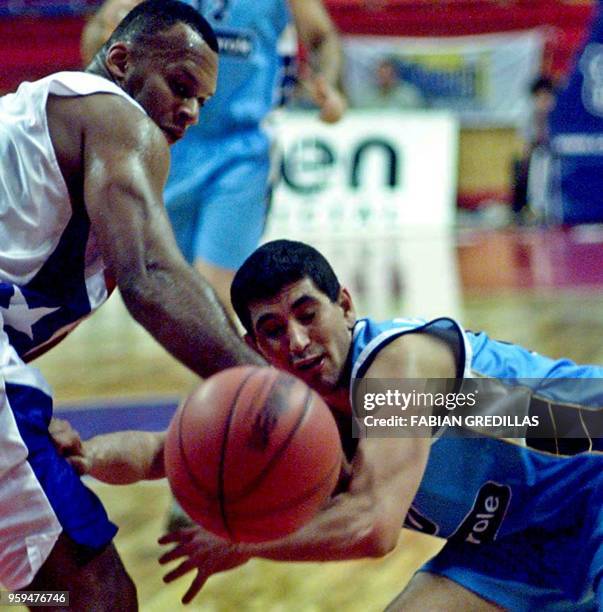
(40, 494)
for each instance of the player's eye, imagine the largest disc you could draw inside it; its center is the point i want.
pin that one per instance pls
(180, 90)
(273, 331)
(306, 316)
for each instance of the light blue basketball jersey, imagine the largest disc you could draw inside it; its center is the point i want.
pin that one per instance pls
(486, 494)
(251, 64)
(523, 486)
(218, 189)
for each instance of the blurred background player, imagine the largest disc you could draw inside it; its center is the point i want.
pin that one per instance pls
(531, 171)
(390, 90)
(219, 187)
(85, 160)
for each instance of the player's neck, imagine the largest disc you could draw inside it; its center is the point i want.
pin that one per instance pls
(97, 66)
(339, 400)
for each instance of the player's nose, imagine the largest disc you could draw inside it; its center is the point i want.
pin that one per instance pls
(188, 112)
(298, 338)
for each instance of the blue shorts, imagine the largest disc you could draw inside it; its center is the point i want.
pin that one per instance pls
(534, 569)
(217, 197)
(44, 494)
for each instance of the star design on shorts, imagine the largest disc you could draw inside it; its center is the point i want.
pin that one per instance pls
(20, 316)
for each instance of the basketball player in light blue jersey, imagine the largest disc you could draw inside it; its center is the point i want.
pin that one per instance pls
(218, 191)
(524, 528)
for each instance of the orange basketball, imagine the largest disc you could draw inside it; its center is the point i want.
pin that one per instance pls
(252, 454)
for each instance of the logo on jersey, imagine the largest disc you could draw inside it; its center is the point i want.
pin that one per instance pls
(235, 44)
(415, 520)
(216, 10)
(485, 518)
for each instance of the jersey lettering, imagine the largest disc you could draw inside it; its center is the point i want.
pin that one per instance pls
(486, 516)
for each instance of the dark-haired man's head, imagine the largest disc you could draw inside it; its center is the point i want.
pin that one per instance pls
(148, 19)
(295, 312)
(541, 84)
(164, 55)
(544, 94)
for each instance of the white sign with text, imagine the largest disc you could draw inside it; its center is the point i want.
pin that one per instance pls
(372, 173)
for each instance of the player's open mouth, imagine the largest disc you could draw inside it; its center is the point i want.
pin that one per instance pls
(309, 363)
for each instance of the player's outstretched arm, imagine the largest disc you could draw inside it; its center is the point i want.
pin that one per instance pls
(126, 165)
(120, 457)
(319, 36)
(124, 457)
(363, 521)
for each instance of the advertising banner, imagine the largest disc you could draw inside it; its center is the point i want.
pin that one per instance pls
(376, 193)
(373, 172)
(484, 79)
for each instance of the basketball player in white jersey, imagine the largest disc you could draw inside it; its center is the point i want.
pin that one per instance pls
(85, 159)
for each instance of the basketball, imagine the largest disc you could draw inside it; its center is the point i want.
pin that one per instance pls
(252, 454)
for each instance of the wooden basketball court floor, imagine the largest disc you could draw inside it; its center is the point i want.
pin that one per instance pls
(540, 288)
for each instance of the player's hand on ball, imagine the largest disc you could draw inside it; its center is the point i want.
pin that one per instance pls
(203, 552)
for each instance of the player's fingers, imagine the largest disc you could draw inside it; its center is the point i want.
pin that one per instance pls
(183, 550)
(194, 588)
(64, 437)
(56, 425)
(179, 536)
(183, 568)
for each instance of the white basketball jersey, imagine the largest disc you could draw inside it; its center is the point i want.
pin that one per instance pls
(51, 273)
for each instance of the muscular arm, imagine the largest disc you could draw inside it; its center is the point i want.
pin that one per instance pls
(125, 168)
(120, 457)
(124, 457)
(363, 521)
(319, 36)
(386, 473)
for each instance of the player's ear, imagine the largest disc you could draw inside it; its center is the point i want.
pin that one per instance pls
(116, 60)
(347, 305)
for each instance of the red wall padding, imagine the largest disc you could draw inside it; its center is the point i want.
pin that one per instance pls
(34, 47)
(568, 20)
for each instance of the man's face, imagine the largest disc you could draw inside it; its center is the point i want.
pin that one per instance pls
(301, 331)
(172, 79)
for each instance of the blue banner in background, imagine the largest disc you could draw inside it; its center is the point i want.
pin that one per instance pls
(576, 126)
